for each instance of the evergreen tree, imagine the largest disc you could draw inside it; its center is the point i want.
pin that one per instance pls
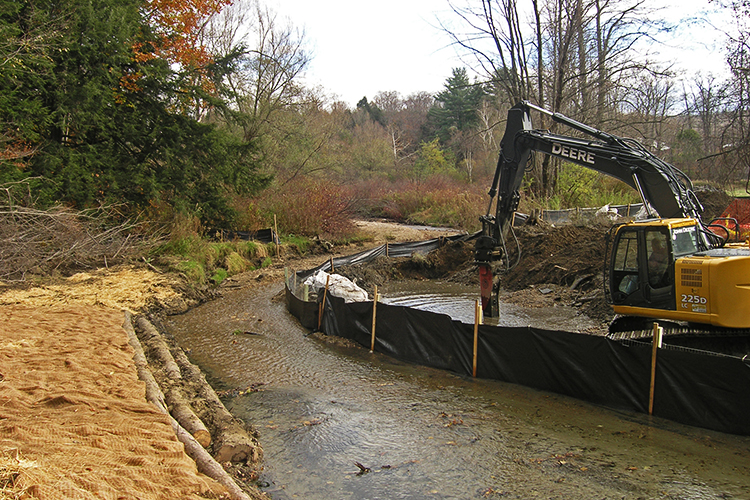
(93, 111)
(457, 107)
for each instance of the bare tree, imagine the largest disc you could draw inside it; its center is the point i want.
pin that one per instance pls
(647, 105)
(495, 41)
(272, 61)
(734, 155)
(707, 101)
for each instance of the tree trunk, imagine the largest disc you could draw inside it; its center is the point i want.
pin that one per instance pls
(183, 413)
(206, 463)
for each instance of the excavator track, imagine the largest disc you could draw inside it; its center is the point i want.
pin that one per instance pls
(727, 341)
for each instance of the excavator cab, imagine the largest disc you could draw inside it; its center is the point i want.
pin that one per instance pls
(642, 261)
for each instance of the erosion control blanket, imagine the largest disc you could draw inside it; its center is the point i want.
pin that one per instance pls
(74, 421)
(692, 388)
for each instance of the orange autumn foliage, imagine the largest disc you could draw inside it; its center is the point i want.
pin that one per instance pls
(179, 25)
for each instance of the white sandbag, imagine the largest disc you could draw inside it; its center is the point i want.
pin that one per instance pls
(338, 286)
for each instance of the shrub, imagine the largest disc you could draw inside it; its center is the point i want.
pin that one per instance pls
(310, 207)
(581, 187)
(440, 202)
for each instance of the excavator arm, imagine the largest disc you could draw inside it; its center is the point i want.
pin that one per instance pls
(666, 191)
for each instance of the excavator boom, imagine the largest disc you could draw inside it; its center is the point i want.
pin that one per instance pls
(666, 191)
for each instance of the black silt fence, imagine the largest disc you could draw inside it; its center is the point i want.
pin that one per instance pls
(691, 387)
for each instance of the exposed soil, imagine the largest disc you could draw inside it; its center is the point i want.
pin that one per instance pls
(565, 263)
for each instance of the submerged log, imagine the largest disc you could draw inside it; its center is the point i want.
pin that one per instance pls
(231, 442)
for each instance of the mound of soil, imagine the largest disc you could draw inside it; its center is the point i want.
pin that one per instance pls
(571, 256)
(714, 202)
(566, 261)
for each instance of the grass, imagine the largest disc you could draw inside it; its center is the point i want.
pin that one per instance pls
(203, 261)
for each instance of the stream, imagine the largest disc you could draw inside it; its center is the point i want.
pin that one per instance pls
(339, 422)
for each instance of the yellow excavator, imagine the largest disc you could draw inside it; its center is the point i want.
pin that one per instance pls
(669, 266)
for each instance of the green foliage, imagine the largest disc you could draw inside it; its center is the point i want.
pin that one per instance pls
(375, 113)
(104, 126)
(458, 106)
(582, 187)
(442, 203)
(251, 250)
(219, 275)
(432, 160)
(235, 263)
(299, 243)
(198, 257)
(193, 270)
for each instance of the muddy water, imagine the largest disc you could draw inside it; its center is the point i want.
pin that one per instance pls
(458, 301)
(424, 433)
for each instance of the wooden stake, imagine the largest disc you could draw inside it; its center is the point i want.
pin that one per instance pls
(477, 315)
(323, 303)
(374, 316)
(386, 249)
(332, 271)
(276, 231)
(656, 344)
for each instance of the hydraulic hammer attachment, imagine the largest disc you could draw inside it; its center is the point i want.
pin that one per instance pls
(485, 285)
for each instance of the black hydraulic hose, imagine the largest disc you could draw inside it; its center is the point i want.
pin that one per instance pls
(508, 267)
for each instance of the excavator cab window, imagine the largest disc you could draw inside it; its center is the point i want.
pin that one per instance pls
(625, 263)
(642, 271)
(685, 240)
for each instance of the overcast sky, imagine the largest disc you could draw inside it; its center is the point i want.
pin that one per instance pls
(361, 48)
